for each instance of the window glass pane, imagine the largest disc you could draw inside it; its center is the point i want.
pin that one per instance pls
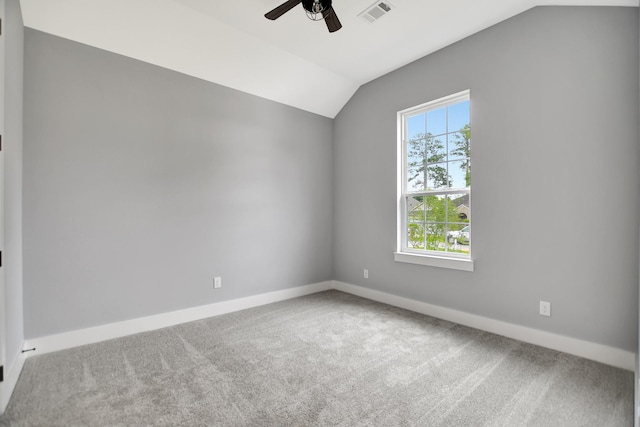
(436, 149)
(415, 152)
(415, 179)
(458, 116)
(436, 208)
(415, 209)
(459, 212)
(459, 145)
(458, 174)
(458, 233)
(415, 222)
(415, 236)
(437, 121)
(437, 176)
(468, 173)
(435, 237)
(416, 126)
(461, 243)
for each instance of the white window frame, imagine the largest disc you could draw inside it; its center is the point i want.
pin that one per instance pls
(404, 253)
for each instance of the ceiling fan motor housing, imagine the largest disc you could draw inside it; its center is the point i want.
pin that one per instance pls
(316, 10)
(317, 6)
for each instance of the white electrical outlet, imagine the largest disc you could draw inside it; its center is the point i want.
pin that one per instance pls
(217, 282)
(545, 308)
(366, 273)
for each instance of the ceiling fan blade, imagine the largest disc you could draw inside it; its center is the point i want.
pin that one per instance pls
(282, 9)
(333, 23)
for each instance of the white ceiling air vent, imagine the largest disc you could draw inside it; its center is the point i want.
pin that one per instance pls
(376, 11)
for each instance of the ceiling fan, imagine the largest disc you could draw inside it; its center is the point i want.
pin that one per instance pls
(316, 10)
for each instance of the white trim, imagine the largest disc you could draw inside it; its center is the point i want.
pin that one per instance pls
(445, 101)
(464, 264)
(96, 334)
(403, 250)
(589, 350)
(10, 380)
(598, 352)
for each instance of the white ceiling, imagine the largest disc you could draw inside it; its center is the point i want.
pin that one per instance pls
(291, 60)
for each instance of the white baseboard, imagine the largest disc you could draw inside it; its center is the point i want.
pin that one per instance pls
(598, 352)
(96, 334)
(10, 380)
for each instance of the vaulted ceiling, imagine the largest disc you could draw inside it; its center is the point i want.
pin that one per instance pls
(291, 60)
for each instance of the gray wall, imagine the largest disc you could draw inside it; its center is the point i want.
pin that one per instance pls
(142, 184)
(13, 30)
(554, 99)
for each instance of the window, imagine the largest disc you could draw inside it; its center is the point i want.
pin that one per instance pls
(434, 209)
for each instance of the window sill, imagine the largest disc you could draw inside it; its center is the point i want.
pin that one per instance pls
(434, 261)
